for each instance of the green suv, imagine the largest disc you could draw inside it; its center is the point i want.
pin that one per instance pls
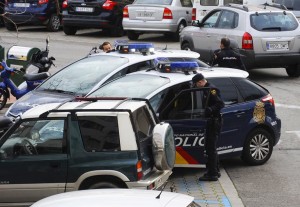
(60, 147)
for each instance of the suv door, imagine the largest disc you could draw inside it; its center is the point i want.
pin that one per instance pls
(33, 160)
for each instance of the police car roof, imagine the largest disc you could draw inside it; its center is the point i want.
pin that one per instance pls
(35, 112)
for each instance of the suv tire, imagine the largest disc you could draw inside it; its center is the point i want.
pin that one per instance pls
(293, 71)
(258, 141)
(186, 46)
(176, 35)
(132, 35)
(164, 151)
(70, 30)
(54, 23)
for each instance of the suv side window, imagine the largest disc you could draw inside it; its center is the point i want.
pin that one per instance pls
(143, 123)
(250, 90)
(99, 133)
(211, 20)
(228, 20)
(227, 89)
(186, 3)
(35, 137)
(209, 3)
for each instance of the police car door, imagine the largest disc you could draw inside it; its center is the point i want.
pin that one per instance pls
(185, 113)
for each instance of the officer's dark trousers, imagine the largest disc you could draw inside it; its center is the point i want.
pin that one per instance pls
(212, 165)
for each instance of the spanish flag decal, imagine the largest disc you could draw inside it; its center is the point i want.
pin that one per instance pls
(182, 157)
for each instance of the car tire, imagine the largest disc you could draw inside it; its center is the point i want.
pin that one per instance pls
(176, 35)
(163, 146)
(69, 30)
(186, 46)
(3, 98)
(293, 71)
(10, 26)
(258, 147)
(132, 35)
(103, 184)
(54, 23)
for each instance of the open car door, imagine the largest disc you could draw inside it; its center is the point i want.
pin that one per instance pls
(186, 115)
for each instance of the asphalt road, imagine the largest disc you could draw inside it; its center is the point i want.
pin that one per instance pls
(274, 184)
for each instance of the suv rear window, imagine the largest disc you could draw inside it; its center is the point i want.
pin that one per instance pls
(269, 22)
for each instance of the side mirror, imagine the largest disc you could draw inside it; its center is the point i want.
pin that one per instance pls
(197, 23)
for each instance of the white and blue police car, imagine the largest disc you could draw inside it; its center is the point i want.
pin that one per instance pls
(250, 127)
(88, 73)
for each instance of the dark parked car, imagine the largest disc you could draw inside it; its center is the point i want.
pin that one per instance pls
(102, 14)
(33, 12)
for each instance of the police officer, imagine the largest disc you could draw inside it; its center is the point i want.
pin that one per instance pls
(227, 57)
(106, 47)
(212, 112)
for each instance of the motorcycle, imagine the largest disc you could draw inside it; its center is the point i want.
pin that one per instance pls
(32, 81)
(40, 62)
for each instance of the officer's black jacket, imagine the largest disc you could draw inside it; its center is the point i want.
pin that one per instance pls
(228, 58)
(214, 101)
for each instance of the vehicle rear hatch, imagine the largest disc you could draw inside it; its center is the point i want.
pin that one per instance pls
(24, 6)
(156, 11)
(86, 7)
(275, 32)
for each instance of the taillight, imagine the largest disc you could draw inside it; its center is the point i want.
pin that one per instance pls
(167, 14)
(268, 98)
(125, 12)
(247, 41)
(65, 4)
(43, 1)
(194, 14)
(109, 5)
(139, 170)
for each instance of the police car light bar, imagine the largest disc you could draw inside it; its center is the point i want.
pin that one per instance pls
(143, 48)
(186, 67)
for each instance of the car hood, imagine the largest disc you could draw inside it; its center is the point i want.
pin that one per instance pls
(33, 99)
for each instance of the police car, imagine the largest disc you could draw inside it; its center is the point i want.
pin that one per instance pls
(88, 73)
(250, 127)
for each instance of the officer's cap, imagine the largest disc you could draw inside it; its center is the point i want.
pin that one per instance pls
(197, 77)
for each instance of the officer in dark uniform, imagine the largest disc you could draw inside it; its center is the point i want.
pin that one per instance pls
(212, 112)
(227, 57)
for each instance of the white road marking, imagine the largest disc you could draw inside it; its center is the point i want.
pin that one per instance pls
(287, 106)
(294, 132)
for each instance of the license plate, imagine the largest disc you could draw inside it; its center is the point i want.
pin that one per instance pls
(84, 9)
(145, 14)
(21, 4)
(277, 46)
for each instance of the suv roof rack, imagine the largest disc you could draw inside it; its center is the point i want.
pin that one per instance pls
(238, 6)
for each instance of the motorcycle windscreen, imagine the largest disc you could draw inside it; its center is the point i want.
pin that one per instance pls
(186, 115)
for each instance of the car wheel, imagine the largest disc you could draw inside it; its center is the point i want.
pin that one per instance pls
(163, 146)
(69, 30)
(10, 26)
(258, 147)
(186, 46)
(180, 27)
(293, 71)
(54, 23)
(103, 185)
(3, 98)
(132, 35)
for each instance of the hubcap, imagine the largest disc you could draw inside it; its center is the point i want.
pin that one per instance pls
(259, 147)
(55, 23)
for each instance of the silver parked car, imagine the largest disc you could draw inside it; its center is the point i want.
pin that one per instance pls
(266, 36)
(157, 16)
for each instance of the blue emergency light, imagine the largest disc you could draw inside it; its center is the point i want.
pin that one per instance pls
(125, 47)
(177, 66)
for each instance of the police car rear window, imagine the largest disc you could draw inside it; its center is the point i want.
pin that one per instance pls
(137, 85)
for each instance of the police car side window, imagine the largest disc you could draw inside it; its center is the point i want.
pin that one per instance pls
(143, 123)
(249, 90)
(227, 89)
(99, 133)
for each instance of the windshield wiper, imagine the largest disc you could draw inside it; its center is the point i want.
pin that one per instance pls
(60, 91)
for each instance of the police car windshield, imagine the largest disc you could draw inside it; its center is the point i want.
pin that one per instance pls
(80, 77)
(138, 86)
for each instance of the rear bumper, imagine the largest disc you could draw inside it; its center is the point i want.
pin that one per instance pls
(150, 26)
(27, 18)
(86, 22)
(269, 60)
(157, 179)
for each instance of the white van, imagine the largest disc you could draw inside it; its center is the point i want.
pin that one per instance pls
(202, 7)
(293, 5)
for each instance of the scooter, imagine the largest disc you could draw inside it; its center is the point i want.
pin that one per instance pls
(40, 62)
(32, 81)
